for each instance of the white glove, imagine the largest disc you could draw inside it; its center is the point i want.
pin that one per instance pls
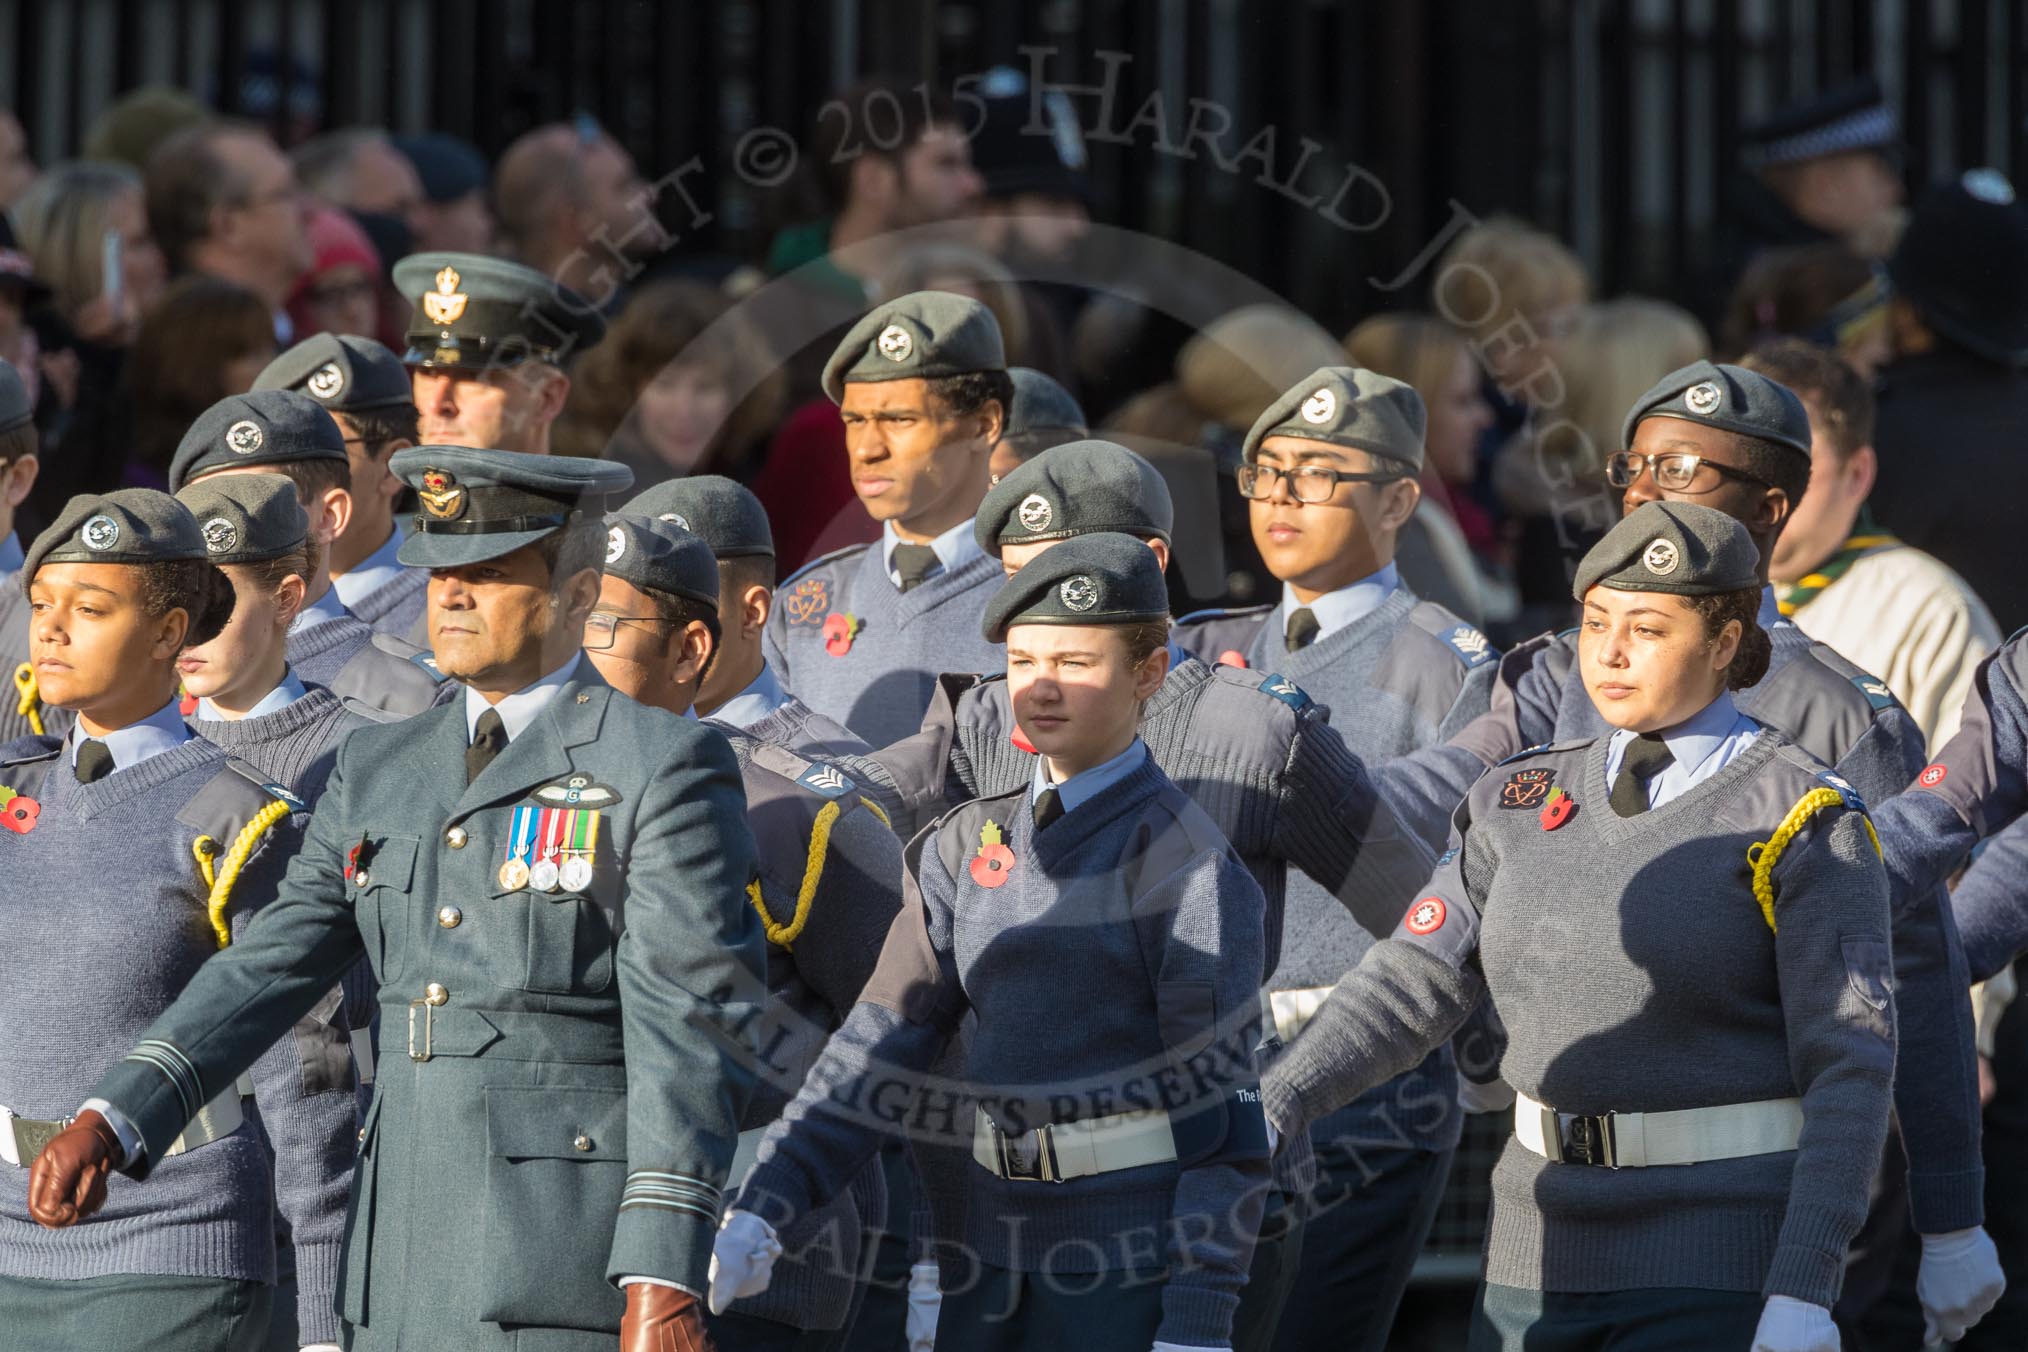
(742, 1259)
(1493, 1096)
(1960, 1280)
(1791, 1325)
(318, 1347)
(924, 1300)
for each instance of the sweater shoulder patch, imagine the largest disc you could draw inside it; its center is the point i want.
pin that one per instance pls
(824, 561)
(1267, 682)
(29, 750)
(232, 798)
(824, 780)
(1876, 691)
(422, 659)
(958, 832)
(1464, 641)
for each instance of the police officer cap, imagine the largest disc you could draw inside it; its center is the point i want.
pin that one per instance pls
(1348, 406)
(473, 313)
(1853, 116)
(1107, 578)
(650, 552)
(344, 373)
(1963, 263)
(1041, 405)
(265, 427)
(448, 167)
(246, 518)
(924, 334)
(722, 513)
(1680, 547)
(128, 525)
(1728, 397)
(479, 505)
(16, 408)
(1079, 488)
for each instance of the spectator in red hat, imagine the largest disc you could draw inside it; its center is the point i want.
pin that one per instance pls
(341, 291)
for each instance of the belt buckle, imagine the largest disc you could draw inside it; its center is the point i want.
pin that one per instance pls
(1017, 1166)
(1582, 1138)
(427, 1025)
(31, 1137)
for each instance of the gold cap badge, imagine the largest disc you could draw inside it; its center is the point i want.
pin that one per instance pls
(446, 303)
(443, 497)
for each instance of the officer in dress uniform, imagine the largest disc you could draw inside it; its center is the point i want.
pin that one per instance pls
(365, 389)
(861, 633)
(288, 434)
(568, 966)
(131, 853)
(22, 712)
(1704, 1085)
(488, 344)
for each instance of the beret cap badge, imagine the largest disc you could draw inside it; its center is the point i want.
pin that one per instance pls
(220, 535)
(1320, 407)
(1661, 558)
(895, 344)
(1702, 397)
(616, 544)
(446, 304)
(674, 519)
(244, 437)
(441, 494)
(1078, 593)
(326, 381)
(1035, 512)
(100, 533)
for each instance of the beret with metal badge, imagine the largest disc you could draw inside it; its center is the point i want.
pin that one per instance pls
(343, 372)
(474, 313)
(1347, 406)
(651, 552)
(1107, 578)
(925, 334)
(246, 518)
(1683, 548)
(264, 427)
(128, 525)
(1079, 488)
(1730, 398)
(720, 511)
(479, 505)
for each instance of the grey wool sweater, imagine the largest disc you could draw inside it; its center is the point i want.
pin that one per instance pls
(1130, 909)
(347, 657)
(1636, 972)
(297, 745)
(396, 607)
(105, 888)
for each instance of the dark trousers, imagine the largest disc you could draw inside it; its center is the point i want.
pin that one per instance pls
(1362, 1229)
(1653, 1319)
(1064, 1312)
(743, 1333)
(881, 1321)
(2006, 1145)
(1877, 1310)
(133, 1314)
(1277, 1257)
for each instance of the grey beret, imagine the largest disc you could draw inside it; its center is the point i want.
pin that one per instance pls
(1106, 578)
(722, 513)
(924, 334)
(473, 312)
(246, 518)
(16, 408)
(1079, 488)
(650, 552)
(1727, 397)
(266, 427)
(1347, 406)
(129, 525)
(344, 373)
(1040, 404)
(1683, 548)
(479, 505)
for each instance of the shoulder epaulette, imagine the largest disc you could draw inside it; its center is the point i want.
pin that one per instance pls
(1267, 682)
(957, 832)
(28, 750)
(1876, 691)
(1544, 748)
(1470, 646)
(848, 551)
(408, 652)
(824, 780)
(232, 813)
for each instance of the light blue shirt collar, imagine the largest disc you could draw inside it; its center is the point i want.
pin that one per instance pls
(323, 610)
(761, 697)
(281, 697)
(11, 557)
(955, 548)
(519, 709)
(1086, 785)
(1702, 745)
(1346, 606)
(160, 731)
(1770, 613)
(370, 574)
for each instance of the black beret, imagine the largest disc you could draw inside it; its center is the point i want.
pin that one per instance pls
(128, 525)
(724, 514)
(16, 408)
(265, 427)
(473, 313)
(1680, 547)
(650, 552)
(1079, 488)
(1040, 404)
(924, 334)
(344, 373)
(1728, 397)
(1106, 578)
(246, 518)
(449, 168)
(479, 505)
(1347, 406)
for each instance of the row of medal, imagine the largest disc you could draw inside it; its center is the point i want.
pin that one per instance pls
(550, 849)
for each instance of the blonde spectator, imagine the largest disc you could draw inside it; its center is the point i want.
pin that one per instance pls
(1516, 292)
(62, 222)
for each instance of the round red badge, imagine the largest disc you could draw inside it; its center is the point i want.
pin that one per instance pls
(1426, 916)
(1232, 657)
(1931, 776)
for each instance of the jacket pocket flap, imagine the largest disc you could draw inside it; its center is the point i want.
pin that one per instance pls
(556, 1122)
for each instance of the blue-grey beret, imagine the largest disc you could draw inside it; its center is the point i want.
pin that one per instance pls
(246, 518)
(650, 552)
(1347, 406)
(925, 334)
(479, 505)
(473, 312)
(1079, 488)
(16, 408)
(1727, 397)
(1042, 405)
(343, 372)
(724, 514)
(1680, 547)
(265, 427)
(448, 167)
(128, 525)
(1106, 578)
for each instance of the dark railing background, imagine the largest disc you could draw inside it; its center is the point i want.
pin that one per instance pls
(1611, 122)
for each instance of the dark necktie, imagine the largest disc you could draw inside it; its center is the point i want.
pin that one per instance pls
(94, 761)
(1303, 629)
(1048, 807)
(913, 563)
(489, 739)
(1646, 756)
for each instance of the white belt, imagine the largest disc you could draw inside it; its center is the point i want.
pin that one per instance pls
(1636, 1140)
(1293, 1009)
(362, 1052)
(1051, 1154)
(22, 1138)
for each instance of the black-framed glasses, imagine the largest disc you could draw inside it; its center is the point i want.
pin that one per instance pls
(601, 627)
(1673, 470)
(1307, 483)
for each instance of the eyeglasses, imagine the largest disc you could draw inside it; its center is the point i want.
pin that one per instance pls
(1307, 483)
(1673, 470)
(601, 627)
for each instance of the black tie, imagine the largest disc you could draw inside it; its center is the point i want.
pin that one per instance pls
(489, 739)
(1646, 756)
(1048, 807)
(913, 563)
(94, 761)
(1303, 629)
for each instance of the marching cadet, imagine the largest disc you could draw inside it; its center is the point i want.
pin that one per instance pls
(365, 389)
(487, 346)
(22, 712)
(561, 938)
(134, 851)
(1329, 473)
(829, 888)
(861, 633)
(1702, 1058)
(1118, 1163)
(1042, 414)
(283, 433)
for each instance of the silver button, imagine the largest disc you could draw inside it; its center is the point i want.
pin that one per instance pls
(435, 994)
(362, 1136)
(363, 878)
(583, 1142)
(450, 917)
(456, 837)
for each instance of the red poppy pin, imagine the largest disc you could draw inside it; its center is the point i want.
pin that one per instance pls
(1557, 810)
(187, 705)
(18, 814)
(839, 631)
(994, 861)
(1020, 740)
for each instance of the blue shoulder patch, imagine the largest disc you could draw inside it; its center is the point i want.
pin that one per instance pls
(1844, 789)
(1469, 644)
(1287, 691)
(1524, 751)
(1876, 691)
(826, 781)
(428, 662)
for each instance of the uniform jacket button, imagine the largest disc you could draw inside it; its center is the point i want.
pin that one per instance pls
(435, 994)
(450, 917)
(456, 837)
(582, 1142)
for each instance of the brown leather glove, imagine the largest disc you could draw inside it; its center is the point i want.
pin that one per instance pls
(68, 1182)
(662, 1319)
